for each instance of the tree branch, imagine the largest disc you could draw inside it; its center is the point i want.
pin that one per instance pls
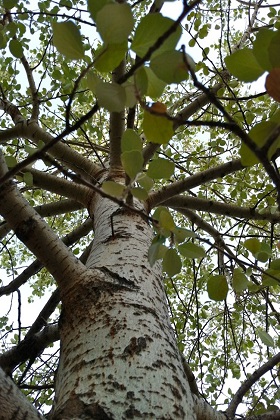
(117, 126)
(193, 181)
(248, 383)
(15, 405)
(224, 209)
(36, 266)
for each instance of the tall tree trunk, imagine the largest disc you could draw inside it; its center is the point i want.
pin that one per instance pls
(119, 357)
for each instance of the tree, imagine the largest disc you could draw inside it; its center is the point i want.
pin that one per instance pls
(140, 202)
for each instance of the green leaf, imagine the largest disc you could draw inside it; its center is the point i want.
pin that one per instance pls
(10, 161)
(259, 134)
(217, 287)
(145, 181)
(274, 50)
(171, 67)
(132, 162)
(28, 178)
(156, 250)
(253, 245)
(191, 250)
(171, 262)
(244, 65)
(260, 48)
(16, 48)
(267, 279)
(182, 234)
(67, 39)
(9, 4)
(114, 22)
(150, 28)
(239, 281)
(95, 5)
(108, 57)
(141, 81)
(264, 252)
(92, 80)
(260, 250)
(111, 96)
(158, 129)
(139, 193)
(160, 168)
(131, 141)
(275, 264)
(265, 337)
(155, 86)
(113, 188)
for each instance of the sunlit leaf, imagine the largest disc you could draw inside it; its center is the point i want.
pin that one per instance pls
(253, 245)
(260, 47)
(131, 141)
(110, 96)
(114, 22)
(191, 250)
(150, 28)
(113, 188)
(28, 178)
(95, 5)
(155, 86)
(244, 65)
(217, 287)
(259, 134)
(145, 181)
(67, 39)
(139, 193)
(108, 57)
(171, 262)
(265, 337)
(239, 281)
(160, 168)
(182, 234)
(157, 128)
(132, 162)
(156, 250)
(171, 67)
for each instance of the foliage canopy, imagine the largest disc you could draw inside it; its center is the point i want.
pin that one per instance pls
(161, 92)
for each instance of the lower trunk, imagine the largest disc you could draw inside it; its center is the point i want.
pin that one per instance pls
(119, 357)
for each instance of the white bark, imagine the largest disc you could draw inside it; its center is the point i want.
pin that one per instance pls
(119, 357)
(14, 405)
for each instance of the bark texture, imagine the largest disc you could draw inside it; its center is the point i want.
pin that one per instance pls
(119, 357)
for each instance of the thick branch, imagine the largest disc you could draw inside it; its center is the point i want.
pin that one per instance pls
(247, 385)
(193, 181)
(60, 186)
(30, 348)
(15, 405)
(36, 266)
(224, 209)
(37, 235)
(117, 126)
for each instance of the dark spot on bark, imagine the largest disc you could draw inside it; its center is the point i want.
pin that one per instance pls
(26, 229)
(130, 394)
(139, 227)
(175, 392)
(118, 386)
(131, 413)
(135, 346)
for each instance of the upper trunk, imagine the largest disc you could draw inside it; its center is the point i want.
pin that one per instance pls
(119, 357)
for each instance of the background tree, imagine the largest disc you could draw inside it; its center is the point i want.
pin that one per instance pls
(140, 206)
